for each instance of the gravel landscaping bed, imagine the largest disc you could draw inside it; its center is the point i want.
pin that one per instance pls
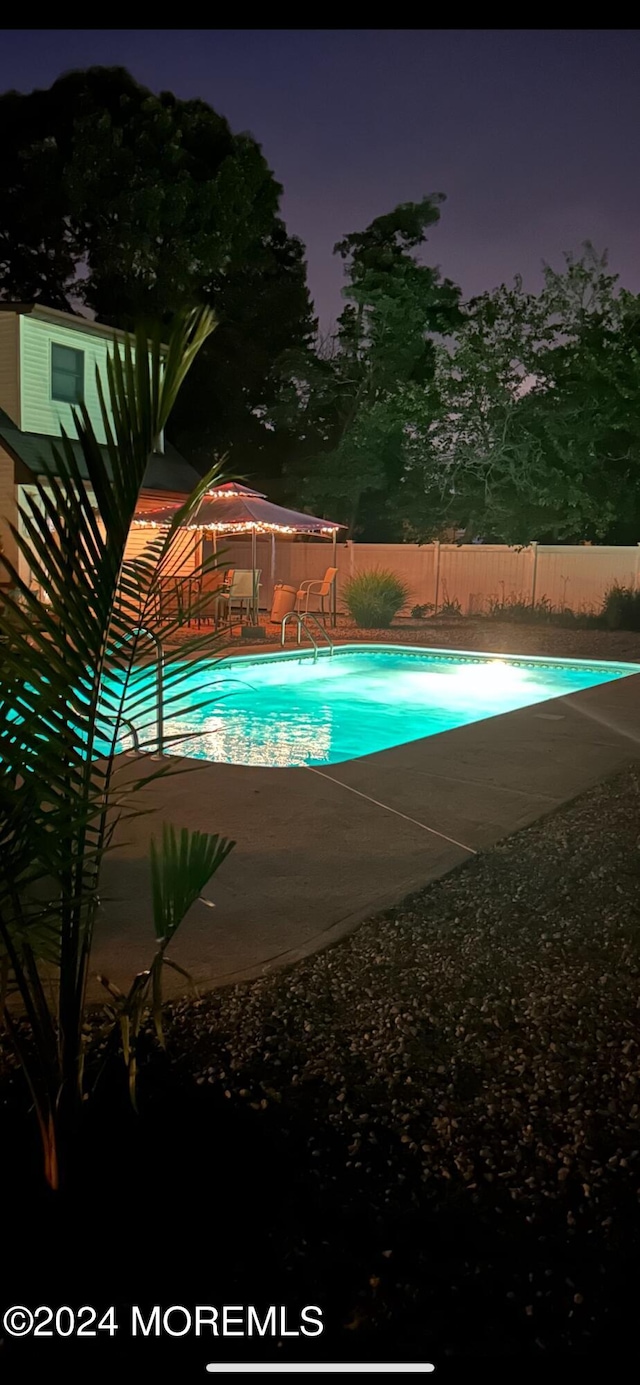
(460, 1083)
(503, 637)
(431, 1130)
(492, 636)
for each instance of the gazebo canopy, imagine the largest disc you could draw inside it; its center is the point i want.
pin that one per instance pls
(235, 509)
(232, 508)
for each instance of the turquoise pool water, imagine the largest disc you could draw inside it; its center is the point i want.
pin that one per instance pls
(285, 710)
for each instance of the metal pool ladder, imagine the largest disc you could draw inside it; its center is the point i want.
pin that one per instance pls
(302, 617)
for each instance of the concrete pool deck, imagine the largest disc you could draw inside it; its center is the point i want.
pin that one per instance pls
(319, 850)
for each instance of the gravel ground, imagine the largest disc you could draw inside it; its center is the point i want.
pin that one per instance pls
(465, 1072)
(503, 637)
(500, 637)
(431, 1129)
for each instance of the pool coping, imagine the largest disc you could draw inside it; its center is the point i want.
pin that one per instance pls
(258, 653)
(317, 854)
(623, 668)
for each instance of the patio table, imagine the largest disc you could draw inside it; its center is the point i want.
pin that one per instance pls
(188, 600)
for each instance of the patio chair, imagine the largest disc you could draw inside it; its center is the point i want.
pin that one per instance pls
(240, 590)
(318, 588)
(213, 594)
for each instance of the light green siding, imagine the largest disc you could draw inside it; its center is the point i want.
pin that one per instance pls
(39, 412)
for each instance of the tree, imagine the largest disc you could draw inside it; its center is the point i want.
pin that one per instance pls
(73, 676)
(351, 401)
(587, 422)
(463, 436)
(138, 206)
(531, 427)
(224, 408)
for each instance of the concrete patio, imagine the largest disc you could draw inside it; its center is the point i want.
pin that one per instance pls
(320, 850)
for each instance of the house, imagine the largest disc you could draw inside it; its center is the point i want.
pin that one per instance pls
(48, 363)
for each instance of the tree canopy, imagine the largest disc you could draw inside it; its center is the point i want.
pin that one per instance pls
(135, 207)
(513, 416)
(348, 402)
(531, 428)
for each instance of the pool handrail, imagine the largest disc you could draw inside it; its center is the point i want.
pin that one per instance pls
(302, 617)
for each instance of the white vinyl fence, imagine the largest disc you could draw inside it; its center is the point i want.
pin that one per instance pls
(472, 574)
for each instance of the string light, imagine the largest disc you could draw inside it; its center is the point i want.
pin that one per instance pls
(223, 494)
(229, 491)
(242, 527)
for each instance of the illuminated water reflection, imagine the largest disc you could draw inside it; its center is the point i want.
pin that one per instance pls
(287, 712)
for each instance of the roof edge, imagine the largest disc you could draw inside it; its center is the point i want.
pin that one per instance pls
(63, 319)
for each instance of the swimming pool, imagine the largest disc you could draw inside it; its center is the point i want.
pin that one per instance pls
(288, 709)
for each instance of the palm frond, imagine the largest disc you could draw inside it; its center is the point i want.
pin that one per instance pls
(72, 658)
(180, 869)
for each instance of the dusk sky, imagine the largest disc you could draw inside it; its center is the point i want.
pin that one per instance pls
(533, 135)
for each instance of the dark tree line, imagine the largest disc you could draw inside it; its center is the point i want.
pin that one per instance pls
(133, 206)
(513, 416)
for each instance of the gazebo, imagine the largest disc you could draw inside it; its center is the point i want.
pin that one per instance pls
(235, 509)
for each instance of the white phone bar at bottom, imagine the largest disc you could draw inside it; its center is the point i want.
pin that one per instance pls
(313, 1368)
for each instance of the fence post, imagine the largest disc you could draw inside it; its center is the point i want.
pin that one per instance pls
(534, 570)
(637, 580)
(436, 575)
(352, 556)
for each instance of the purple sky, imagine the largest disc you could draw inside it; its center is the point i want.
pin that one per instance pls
(532, 134)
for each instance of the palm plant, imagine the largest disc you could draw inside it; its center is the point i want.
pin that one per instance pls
(73, 676)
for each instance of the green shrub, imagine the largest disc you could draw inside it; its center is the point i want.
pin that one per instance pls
(515, 607)
(621, 608)
(450, 607)
(373, 598)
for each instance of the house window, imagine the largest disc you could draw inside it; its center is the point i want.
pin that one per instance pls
(67, 374)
